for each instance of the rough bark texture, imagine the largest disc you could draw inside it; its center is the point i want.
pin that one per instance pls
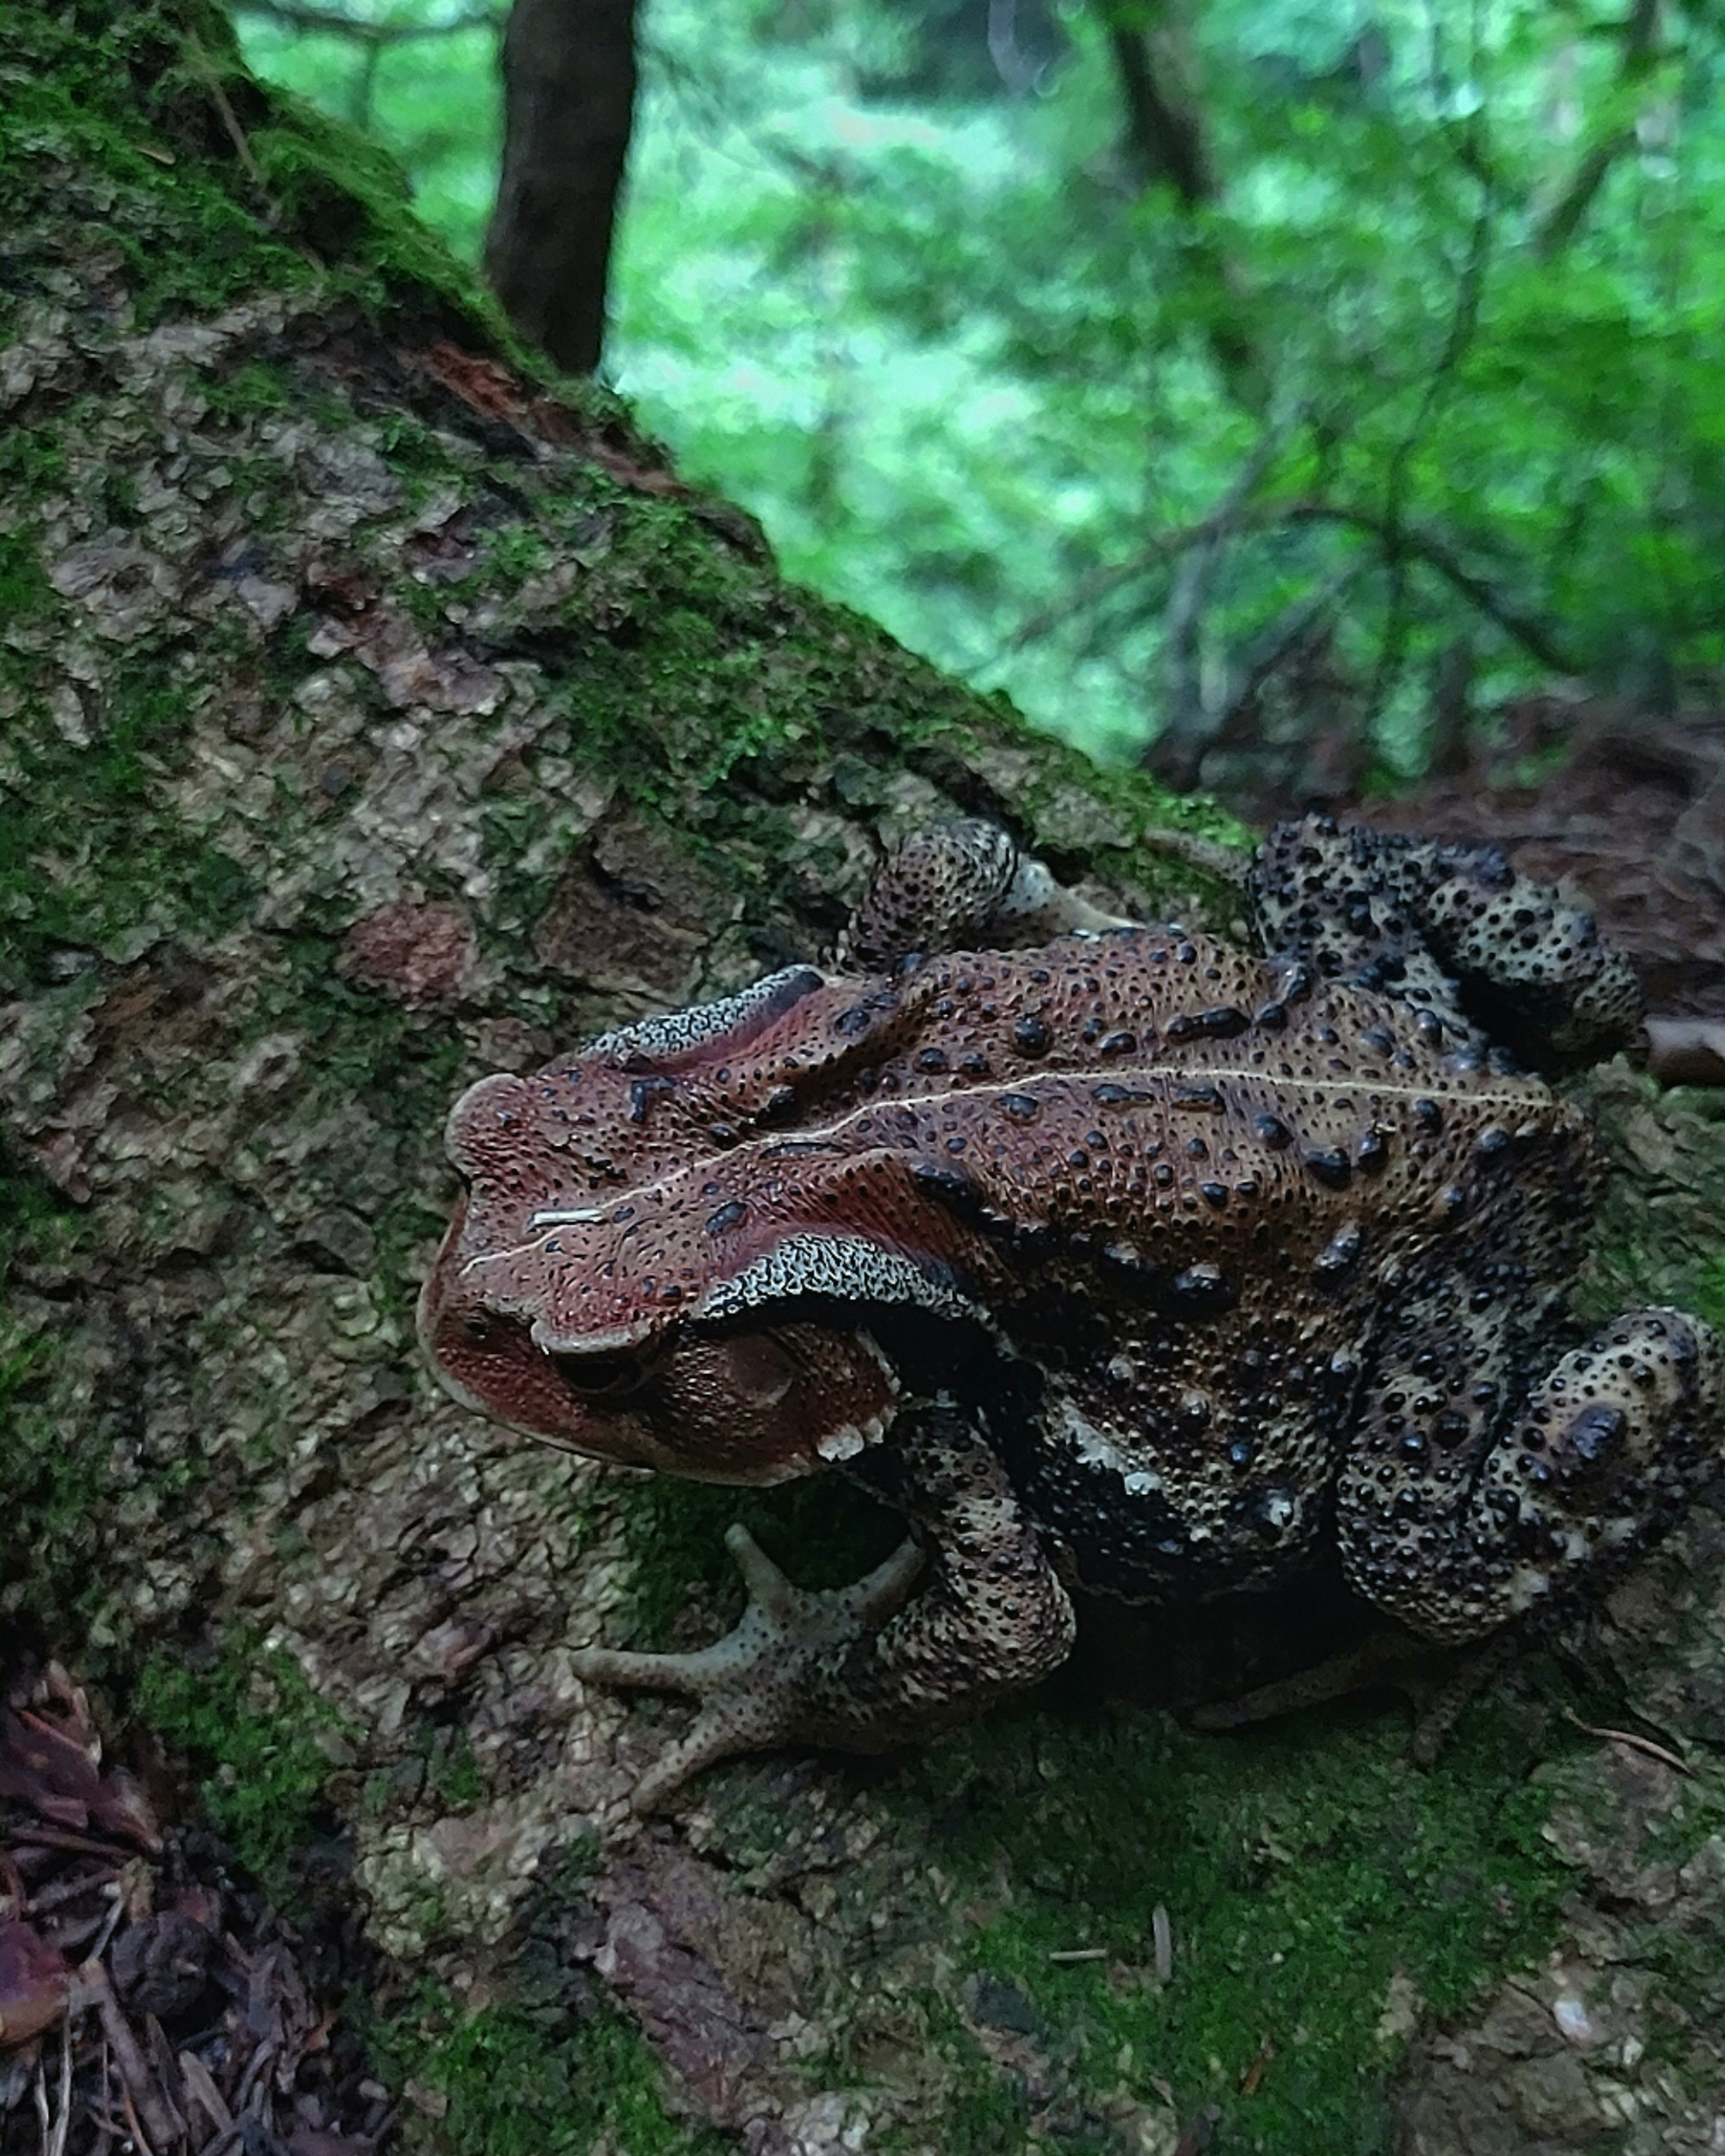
(373, 719)
(568, 103)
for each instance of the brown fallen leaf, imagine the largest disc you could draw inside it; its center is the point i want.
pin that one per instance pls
(35, 1978)
(50, 1760)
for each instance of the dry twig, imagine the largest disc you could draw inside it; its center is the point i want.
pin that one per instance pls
(1636, 1743)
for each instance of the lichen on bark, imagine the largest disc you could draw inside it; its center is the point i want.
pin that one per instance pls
(378, 711)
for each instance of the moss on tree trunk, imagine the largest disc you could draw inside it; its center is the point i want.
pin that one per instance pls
(378, 711)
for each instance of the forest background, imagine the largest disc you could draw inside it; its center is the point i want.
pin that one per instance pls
(1261, 379)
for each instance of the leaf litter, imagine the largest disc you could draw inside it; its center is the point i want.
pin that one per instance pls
(150, 1998)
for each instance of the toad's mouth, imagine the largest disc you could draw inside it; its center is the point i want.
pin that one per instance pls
(721, 1404)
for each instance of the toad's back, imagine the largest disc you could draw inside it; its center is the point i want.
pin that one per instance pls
(1182, 1183)
(1142, 1102)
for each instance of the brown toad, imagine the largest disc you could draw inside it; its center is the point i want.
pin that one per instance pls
(1111, 1256)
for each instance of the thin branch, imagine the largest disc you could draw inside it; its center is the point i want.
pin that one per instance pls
(1464, 323)
(1640, 57)
(1422, 541)
(1436, 552)
(1230, 514)
(1188, 719)
(211, 80)
(1102, 584)
(330, 20)
(1289, 630)
(1628, 1737)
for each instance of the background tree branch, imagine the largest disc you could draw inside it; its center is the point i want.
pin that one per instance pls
(1167, 144)
(1639, 59)
(332, 23)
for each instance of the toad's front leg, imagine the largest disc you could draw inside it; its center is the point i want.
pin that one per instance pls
(968, 1613)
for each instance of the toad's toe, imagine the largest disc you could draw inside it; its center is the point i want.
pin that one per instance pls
(758, 1686)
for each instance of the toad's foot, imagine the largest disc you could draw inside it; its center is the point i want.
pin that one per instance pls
(772, 1680)
(868, 1667)
(1436, 1681)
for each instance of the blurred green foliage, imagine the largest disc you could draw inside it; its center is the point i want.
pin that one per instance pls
(913, 300)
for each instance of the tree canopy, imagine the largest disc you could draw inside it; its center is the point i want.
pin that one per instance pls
(1393, 365)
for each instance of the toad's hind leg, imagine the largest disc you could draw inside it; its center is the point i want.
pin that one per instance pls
(1596, 1463)
(961, 885)
(1454, 928)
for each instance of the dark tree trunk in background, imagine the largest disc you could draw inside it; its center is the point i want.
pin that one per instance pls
(1164, 127)
(568, 96)
(1165, 142)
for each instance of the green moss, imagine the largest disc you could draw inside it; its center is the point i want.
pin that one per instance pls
(1301, 1868)
(821, 1531)
(403, 1234)
(1680, 1955)
(506, 2084)
(553, 2069)
(526, 2078)
(687, 669)
(1710, 1293)
(452, 1771)
(1668, 1250)
(36, 1220)
(362, 1044)
(250, 1723)
(32, 465)
(349, 200)
(49, 1487)
(215, 188)
(90, 853)
(73, 112)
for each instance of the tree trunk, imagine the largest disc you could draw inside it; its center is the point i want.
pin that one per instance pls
(568, 104)
(1166, 144)
(1557, 223)
(375, 717)
(1164, 126)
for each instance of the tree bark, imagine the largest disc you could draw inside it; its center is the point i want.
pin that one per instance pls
(376, 716)
(568, 102)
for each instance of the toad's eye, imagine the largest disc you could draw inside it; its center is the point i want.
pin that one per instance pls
(601, 1377)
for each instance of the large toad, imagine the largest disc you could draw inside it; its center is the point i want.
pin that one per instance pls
(1109, 1254)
